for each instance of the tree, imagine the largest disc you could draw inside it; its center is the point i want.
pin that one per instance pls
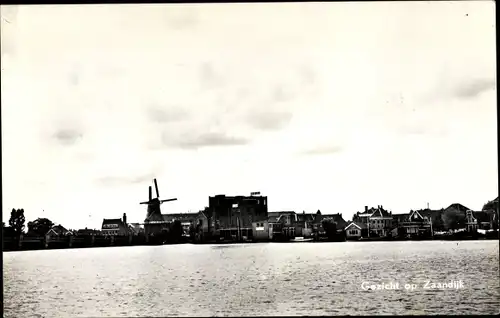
(175, 231)
(491, 205)
(330, 228)
(453, 219)
(437, 222)
(40, 226)
(17, 220)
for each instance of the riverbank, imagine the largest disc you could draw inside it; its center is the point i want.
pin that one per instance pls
(39, 243)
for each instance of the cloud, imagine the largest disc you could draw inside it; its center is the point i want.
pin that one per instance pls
(74, 76)
(209, 77)
(269, 120)
(8, 23)
(68, 137)
(420, 130)
(323, 150)
(472, 88)
(204, 140)
(182, 21)
(308, 76)
(159, 115)
(281, 95)
(121, 180)
(465, 89)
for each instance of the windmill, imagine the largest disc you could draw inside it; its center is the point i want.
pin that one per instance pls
(154, 212)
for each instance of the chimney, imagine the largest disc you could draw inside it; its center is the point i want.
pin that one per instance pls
(366, 208)
(125, 218)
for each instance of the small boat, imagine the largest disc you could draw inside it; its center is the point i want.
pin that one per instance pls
(301, 239)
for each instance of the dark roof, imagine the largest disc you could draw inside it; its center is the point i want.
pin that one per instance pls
(179, 216)
(400, 217)
(380, 212)
(459, 207)
(431, 213)
(274, 216)
(112, 221)
(337, 218)
(374, 212)
(306, 217)
(87, 231)
(360, 225)
(292, 214)
(135, 228)
(59, 229)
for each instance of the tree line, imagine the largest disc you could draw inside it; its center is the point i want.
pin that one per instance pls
(38, 227)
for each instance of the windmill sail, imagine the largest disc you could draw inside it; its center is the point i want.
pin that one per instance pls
(153, 210)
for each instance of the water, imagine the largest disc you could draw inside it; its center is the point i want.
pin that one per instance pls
(252, 280)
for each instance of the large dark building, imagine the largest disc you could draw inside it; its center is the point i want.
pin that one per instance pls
(237, 211)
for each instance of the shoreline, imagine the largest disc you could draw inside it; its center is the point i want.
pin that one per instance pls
(38, 248)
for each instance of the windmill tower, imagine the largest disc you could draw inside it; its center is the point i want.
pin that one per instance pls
(153, 212)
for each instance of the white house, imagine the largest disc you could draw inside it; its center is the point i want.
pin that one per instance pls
(355, 230)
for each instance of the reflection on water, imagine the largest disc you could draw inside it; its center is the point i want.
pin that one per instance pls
(252, 280)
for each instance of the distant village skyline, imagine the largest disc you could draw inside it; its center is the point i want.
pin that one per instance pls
(318, 106)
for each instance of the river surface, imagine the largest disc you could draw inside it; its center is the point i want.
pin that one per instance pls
(253, 280)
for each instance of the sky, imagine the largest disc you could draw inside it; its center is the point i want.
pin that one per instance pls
(329, 106)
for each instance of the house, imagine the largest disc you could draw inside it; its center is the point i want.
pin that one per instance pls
(435, 217)
(115, 226)
(305, 224)
(416, 223)
(283, 223)
(354, 231)
(236, 212)
(378, 221)
(203, 226)
(58, 230)
(479, 220)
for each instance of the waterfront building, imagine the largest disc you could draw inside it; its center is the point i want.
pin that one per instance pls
(58, 230)
(115, 226)
(435, 217)
(415, 223)
(290, 224)
(232, 216)
(283, 224)
(355, 231)
(378, 221)
(480, 220)
(305, 224)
